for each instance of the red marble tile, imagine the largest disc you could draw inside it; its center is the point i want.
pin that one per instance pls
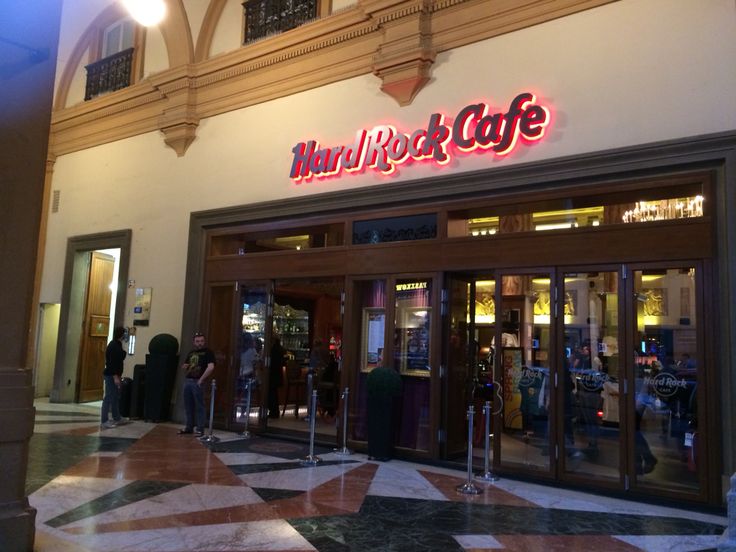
(161, 455)
(447, 485)
(340, 495)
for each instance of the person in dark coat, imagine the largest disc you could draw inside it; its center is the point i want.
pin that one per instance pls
(114, 356)
(275, 377)
(384, 385)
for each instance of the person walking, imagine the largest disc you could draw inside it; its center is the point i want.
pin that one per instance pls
(199, 364)
(112, 374)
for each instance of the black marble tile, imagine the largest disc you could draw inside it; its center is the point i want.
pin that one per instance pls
(242, 469)
(134, 492)
(275, 494)
(50, 455)
(279, 449)
(386, 523)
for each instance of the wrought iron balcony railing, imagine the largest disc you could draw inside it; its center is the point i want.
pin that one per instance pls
(265, 17)
(109, 74)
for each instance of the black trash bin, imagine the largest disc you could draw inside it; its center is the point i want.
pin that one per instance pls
(161, 364)
(126, 388)
(138, 392)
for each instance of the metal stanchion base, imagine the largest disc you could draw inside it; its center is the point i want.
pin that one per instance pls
(310, 460)
(209, 439)
(469, 488)
(344, 451)
(489, 476)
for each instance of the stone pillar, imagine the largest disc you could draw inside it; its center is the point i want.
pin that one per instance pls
(17, 518)
(30, 33)
(728, 540)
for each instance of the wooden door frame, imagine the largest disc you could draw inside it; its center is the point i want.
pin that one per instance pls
(596, 171)
(64, 384)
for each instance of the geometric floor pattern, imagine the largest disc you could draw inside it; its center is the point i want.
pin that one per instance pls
(142, 487)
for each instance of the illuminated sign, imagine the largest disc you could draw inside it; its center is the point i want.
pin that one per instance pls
(383, 147)
(410, 286)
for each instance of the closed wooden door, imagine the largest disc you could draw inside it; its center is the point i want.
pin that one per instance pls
(95, 330)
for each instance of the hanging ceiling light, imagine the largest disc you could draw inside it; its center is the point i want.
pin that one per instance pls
(146, 12)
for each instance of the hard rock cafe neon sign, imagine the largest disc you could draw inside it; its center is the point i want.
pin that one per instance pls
(384, 148)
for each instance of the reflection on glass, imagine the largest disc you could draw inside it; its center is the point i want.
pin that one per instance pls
(374, 323)
(412, 331)
(524, 316)
(591, 361)
(666, 378)
(369, 298)
(412, 348)
(253, 303)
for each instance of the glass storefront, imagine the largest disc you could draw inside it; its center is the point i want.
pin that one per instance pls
(667, 368)
(587, 348)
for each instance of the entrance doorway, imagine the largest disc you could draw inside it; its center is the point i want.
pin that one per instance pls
(592, 373)
(92, 304)
(288, 343)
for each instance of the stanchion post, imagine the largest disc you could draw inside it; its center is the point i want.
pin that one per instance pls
(487, 474)
(311, 459)
(469, 487)
(249, 385)
(211, 438)
(310, 384)
(344, 451)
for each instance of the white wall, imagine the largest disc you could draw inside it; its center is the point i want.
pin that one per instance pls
(628, 73)
(228, 34)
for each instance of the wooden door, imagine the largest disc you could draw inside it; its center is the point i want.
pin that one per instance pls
(95, 329)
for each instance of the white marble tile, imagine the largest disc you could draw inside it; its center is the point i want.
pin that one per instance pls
(191, 498)
(397, 481)
(132, 430)
(260, 535)
(241, 458)
(477, 541)
(298, 479)
(674, 543)
(567, 499)
(65, 493)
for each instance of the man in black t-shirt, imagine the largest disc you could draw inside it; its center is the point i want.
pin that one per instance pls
(198, 365)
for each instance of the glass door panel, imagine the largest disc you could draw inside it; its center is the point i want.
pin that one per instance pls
(667, 367)
(592, 374)
(412, 348)
(369, 303)
(522, 341)
(253, 316)
(462, 361)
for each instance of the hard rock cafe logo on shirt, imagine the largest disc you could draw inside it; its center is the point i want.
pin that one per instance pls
(383, 148)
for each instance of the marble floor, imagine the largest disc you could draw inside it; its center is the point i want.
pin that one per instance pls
(142, 487)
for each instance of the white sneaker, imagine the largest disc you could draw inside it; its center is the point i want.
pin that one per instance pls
(108, 425)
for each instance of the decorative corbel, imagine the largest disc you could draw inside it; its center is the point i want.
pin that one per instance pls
(404, 59)
(179, 120)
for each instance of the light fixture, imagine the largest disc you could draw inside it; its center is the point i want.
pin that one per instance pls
(146, 12)
(557, 226)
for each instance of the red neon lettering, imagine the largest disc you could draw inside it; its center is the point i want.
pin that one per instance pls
(384, 148)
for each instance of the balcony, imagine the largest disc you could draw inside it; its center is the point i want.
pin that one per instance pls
(109, 74)
(266, 17)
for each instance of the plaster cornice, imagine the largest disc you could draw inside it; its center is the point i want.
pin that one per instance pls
(362, 39)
